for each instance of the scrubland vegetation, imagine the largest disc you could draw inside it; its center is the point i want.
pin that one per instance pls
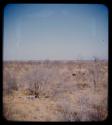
(55, 90)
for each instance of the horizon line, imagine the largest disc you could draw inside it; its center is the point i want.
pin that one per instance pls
(54, 60)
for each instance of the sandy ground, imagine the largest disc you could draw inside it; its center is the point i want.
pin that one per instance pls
(75, 98)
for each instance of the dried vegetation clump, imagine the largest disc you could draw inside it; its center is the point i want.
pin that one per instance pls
(55, 91)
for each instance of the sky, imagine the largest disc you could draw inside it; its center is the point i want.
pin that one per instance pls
(55, 31)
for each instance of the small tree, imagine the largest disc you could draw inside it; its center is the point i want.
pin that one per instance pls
(95, 71)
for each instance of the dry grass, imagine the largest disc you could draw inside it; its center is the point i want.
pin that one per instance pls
(70, 94)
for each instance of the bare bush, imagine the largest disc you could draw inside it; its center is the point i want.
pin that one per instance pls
(100, 113)
(10, 83)
(67, 111)
(86, 112)
(37, 81)
(91, 112)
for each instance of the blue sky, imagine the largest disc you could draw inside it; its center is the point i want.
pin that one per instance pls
(55, 31)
